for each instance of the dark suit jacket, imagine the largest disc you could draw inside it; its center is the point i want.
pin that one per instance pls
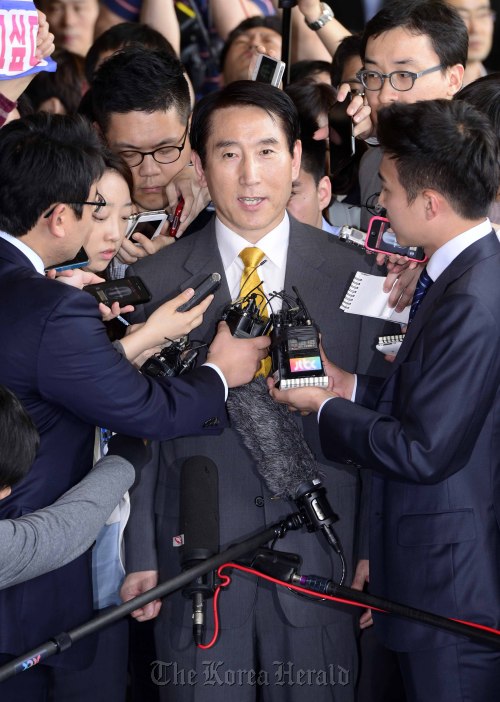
(321, 267)
(55, 356)
(433, 438)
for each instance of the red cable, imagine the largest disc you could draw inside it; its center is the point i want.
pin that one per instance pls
(226, 580)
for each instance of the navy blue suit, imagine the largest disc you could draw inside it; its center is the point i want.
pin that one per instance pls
(55, 356)
(431, 433)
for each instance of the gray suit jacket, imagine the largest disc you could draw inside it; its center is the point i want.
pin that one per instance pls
(321, 268)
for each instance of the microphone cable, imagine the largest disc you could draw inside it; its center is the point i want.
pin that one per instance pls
(309, 581)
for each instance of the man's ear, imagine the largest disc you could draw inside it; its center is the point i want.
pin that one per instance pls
(98, 129)
(324, 192)
(57, 220)
(455, 78)
(5, 492)
(432, 201)
(296, 159)
(199, 168)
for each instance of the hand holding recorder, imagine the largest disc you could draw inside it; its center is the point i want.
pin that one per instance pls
(164, 324)
(238, 359)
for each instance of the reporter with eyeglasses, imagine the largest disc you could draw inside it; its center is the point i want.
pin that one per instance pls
(411, 51)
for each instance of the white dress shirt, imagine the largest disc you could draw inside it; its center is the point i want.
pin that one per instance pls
(271, 272)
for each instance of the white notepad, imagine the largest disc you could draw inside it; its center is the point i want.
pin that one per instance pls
(367, 297)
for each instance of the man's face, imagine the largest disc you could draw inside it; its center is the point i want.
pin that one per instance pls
(399, 50)
(352, 65)
(406, 220)
(242, 50)
(249, 170)
(147, 131)
(308, 200)
(72, 22)
(478, 18)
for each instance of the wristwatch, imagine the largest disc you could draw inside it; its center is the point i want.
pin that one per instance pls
(324, 18)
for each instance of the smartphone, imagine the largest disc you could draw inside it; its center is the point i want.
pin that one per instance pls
(341, 138)
(81, 259)
(268, 70)
(176, 219)
(381, 238)
(201, 291)
(126, 291)
(148, 223)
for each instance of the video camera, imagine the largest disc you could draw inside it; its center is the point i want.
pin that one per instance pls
(177, 358)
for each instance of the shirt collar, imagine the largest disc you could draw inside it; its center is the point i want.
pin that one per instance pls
(274, 244)
(33, 257)
(448, 252)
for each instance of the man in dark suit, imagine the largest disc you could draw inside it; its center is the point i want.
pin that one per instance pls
(247, 151)
(56, 357)
(430, 432)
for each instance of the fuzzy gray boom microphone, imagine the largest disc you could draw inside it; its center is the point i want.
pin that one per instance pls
(272, 437)
(282, 456)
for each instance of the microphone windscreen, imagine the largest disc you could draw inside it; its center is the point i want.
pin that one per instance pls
(199, 509)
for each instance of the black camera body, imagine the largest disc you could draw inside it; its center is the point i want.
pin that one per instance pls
(244, 319)
(296, 359)
(177, 358)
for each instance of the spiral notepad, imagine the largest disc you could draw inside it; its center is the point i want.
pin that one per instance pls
(367, 297)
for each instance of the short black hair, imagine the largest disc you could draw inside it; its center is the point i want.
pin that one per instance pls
(434, 18)
(484, 95)
(443, 145)
(67, 83)
(139, 80)
(308, 68)
(243, 93)
(313, 159)
(349, 46)
(311, 100)
(121, 35)
(19, 439)
(272, 22)
(45, 159)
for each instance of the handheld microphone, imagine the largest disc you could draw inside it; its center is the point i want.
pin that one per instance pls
(199, 521)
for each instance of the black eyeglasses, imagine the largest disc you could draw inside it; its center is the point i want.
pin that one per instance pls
(164, 154)
(400, 80)
(98, 204)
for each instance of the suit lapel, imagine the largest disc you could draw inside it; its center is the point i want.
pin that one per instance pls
(304, 267)
(484, 248)
(204, 258)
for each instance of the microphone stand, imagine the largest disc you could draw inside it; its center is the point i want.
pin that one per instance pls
(286, 31)
(61, 642)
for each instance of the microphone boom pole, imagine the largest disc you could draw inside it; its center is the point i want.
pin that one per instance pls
(63, 641)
